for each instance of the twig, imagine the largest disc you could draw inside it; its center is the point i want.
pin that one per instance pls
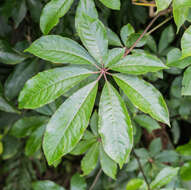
(96, 179)
(141, 169)
(146, 29)
(158, 26)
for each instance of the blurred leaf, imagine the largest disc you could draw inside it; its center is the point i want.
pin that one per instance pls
(147, 122)
(136, 184)
(48, 185)
(185, 171)
(186, 43)
(26, 125)
(78, 182)
(94, 123)
(162, 4)
(164, 177)
(20, 75)
(185, 149)
(155, 147)
(8, 55)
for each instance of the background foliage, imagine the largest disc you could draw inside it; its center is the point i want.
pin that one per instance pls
(50, 52)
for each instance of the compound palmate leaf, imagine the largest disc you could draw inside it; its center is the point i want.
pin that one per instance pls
(52, 12)
(138, 64)
(67, 125)
(114, 125)
(144, 96)
(59, 49)
(49, 85)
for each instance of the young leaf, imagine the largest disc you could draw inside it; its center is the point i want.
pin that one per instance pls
(185, 149)
(186, 43)
(78, 182)
(90, 160)
(147, 122)
(34, 142)
(26, 125)
(49, 85)
(136, 184)
(67, 125)
(138, 64)
(94, 37)
(164, 177)
(162, 4)
(185, 171)
(107, 164)
(46, 184)
(52, 12)
(186, 83)
(114, 56)
(59, 49)
(114, 125)
(112, 4)
(144, 96)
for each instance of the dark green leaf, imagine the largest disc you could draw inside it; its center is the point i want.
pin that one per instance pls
(59, 49)
(115, 126)
(144, 96)
(125, 32)
(138, 64)
(49, 85)
(93, 34)
(67, 125)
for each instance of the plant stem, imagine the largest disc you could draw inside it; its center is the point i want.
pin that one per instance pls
(158, 26)
(146, 29)
(141, 169)
(96, 179)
